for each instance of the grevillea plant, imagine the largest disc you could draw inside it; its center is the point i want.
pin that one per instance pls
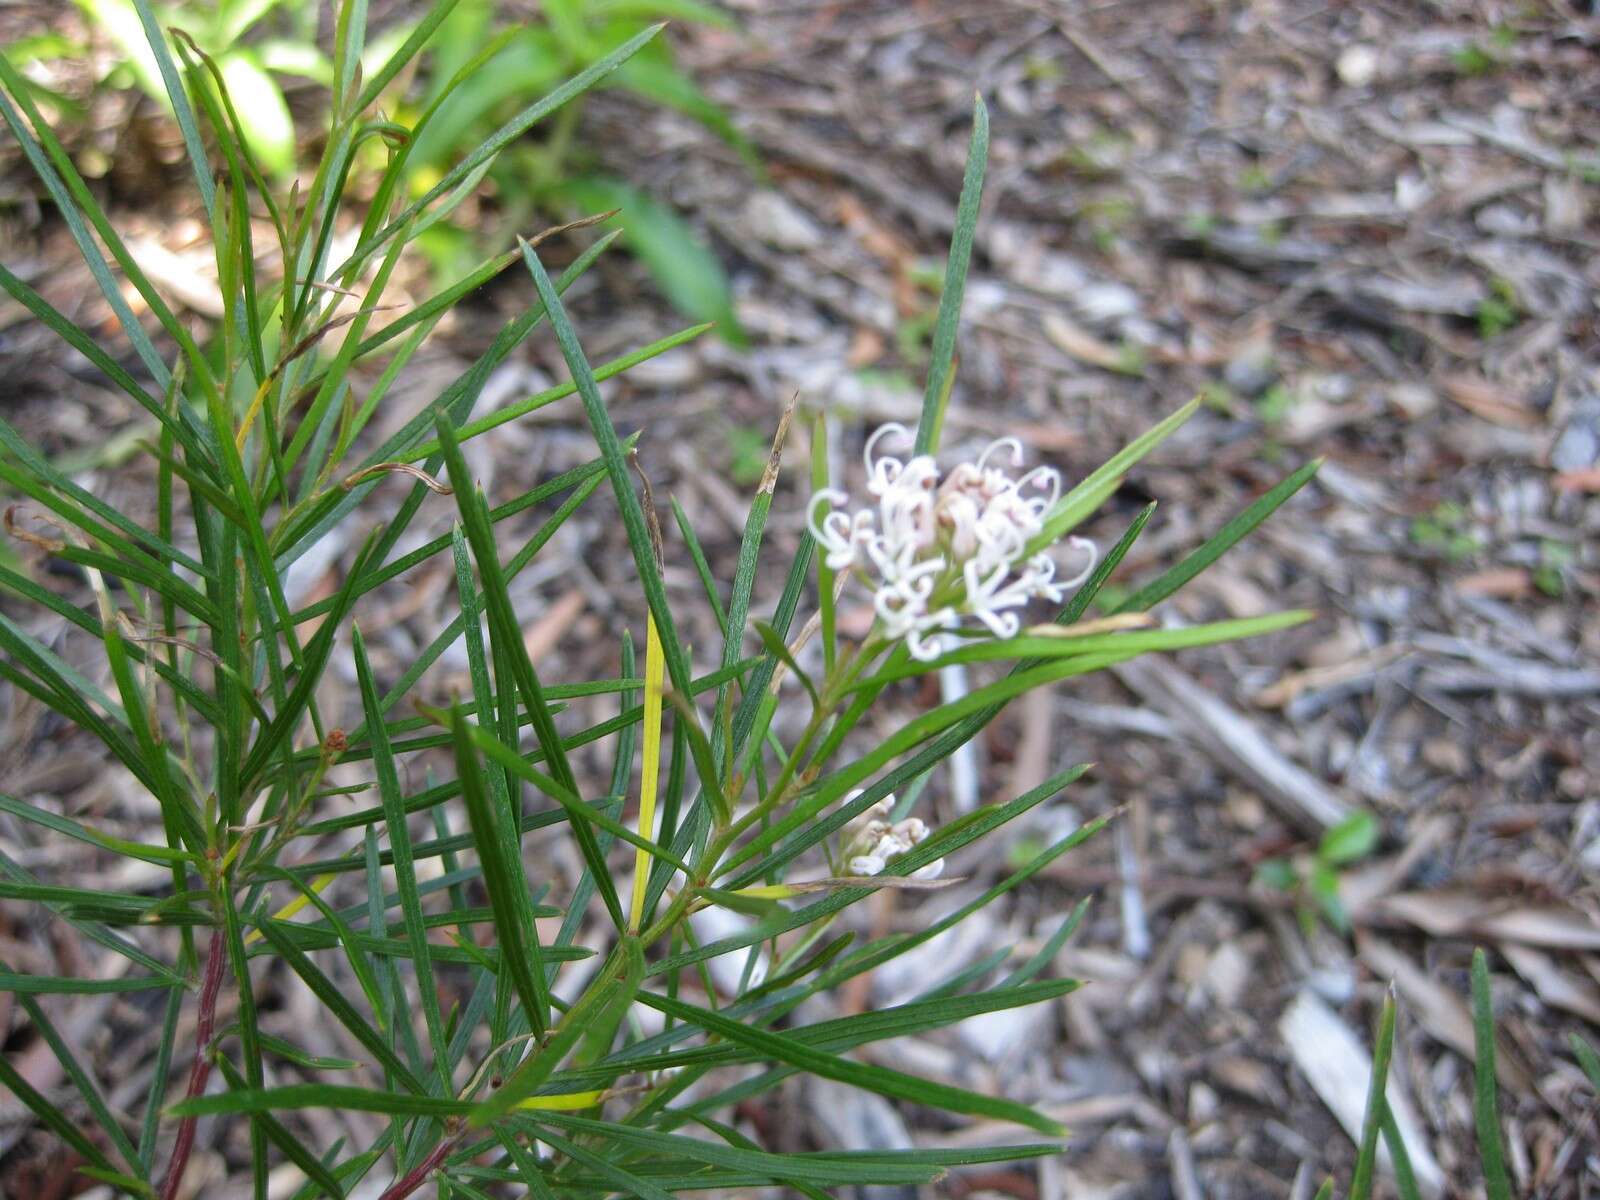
(433, 941)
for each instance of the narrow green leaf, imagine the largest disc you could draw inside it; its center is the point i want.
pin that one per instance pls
(292, 1146)
(1085, 595)
(506, 631)
(1587, 1059)
(405, 876)
(59, 180)
(415, 41)
(616, 1178)
(813, 1168)
(612, 990)
(157, 1092)
(88, 1091)
(520, 958)
(581, 814)
(178, 98)
(1405, 1178)
(776, 647)
(1486, 1107)
(825, 576)
(633, 518)
(508, 133)
(1367, 1152)
(1351, 839)
(881, 1080)
(744, 577)
(50, 1116)
(335, 1097)
(688, 272)
(317, 653)
(1046, 953)
(334, 1001)
(937, 393)
(1038, 649)
(1215, 546)
(697, 554)
(349, 34)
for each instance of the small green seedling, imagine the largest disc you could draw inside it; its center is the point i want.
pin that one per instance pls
(1314, 878)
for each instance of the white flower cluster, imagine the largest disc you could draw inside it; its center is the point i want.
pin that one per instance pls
(928, 535)
(872, 842)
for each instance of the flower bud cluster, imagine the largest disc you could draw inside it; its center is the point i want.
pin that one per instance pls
(872, 842)
(936, 548)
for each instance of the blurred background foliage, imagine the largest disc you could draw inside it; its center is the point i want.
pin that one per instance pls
(263, 46)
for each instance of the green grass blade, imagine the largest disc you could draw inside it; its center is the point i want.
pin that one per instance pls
(1486, 1108)
(937, 392)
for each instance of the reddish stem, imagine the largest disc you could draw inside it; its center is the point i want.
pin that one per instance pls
(418, 1175)
(216, 960)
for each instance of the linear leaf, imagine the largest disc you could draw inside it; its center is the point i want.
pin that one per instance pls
(937, 392)
(508, 133)
(1486, 1107)
(1367, 1152)
(1215, 546)
(520, 958)
(405, 875)
(320, 1095)
(1097, 486)
(881, 1080)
